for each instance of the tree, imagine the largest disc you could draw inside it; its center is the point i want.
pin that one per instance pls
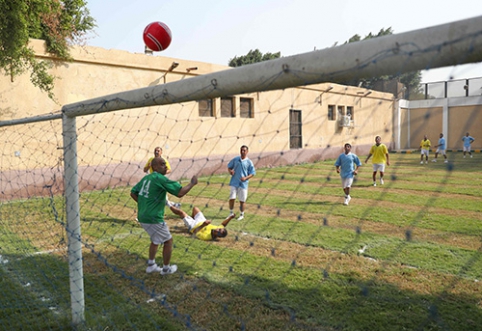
(59, 23)
(411, 80)
(252, 57)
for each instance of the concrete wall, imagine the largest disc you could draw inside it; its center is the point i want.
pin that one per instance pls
(131, 135)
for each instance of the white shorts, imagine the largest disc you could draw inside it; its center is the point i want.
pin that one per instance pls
(159, 233)
(241, 193)
(440, 151)
(192, 222)
(346, 182)
(379, 167)
(424, 151)
(467, 149)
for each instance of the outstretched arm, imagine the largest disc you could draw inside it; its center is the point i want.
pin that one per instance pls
(368, 157)
(185, 189)
(229, 218)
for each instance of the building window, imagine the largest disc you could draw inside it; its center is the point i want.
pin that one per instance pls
(206, 107)
(341, 112)
(296, 138)
(350, 113)
(246, 108)
(331, 113)
(227, 107)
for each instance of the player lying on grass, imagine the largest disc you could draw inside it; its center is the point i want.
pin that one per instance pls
(198, 224)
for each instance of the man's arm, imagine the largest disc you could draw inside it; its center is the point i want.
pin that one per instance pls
(134, 196)
(205, 223)
(368, 157)
(226, 221)
(185, 189)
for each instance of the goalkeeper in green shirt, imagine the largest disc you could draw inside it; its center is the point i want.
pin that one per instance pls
(150, 195)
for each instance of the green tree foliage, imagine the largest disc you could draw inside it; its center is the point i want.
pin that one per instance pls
(59, 23)
(411, 80)
(252, 57)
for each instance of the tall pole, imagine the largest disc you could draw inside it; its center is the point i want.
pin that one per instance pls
(72, 206)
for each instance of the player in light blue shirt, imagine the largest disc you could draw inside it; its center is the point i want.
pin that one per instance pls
(468, 140)
(347, 166)
(441, 149)
(241, 169)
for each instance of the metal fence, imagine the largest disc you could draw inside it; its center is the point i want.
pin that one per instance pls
(449, 89)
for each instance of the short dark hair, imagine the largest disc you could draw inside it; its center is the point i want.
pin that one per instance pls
(244, 146)
(225, 233)
(347, 144)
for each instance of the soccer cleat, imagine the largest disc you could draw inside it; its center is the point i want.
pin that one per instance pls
(421, 162)
(346, 202)
(446, 161)
(464, 156)
(153, 268)
(471, 156)
(381, 181)
(169, 270)
(434, 160)
(177, 205)
(374, 183)
(240, 218)
(426, 162)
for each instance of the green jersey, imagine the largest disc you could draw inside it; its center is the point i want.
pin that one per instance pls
(151, 193)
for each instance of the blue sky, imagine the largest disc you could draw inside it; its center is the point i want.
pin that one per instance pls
(215, 31)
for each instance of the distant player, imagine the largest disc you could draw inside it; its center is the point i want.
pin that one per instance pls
(349, 164)
(380, 158)
(468, 140)
(441, 148)
(424, 149)
(241, 169)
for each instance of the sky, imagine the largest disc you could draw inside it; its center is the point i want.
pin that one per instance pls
(215, 31)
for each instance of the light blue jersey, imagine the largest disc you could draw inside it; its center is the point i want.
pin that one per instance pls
(242, 168)
(441, 144)
(467, 140)
(347, 163)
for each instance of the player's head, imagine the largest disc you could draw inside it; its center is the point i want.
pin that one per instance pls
(441, 135)
(157, 151)
(219, 233)
(467, 134)
(158, 164)
(378, 140)
(347, 148)
(244, 151)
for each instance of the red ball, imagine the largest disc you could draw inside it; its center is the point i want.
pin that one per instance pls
(157, 36)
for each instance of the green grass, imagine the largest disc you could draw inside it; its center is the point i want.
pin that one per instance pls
(403, 256)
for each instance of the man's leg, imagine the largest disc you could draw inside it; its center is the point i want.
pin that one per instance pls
(153, 251)
(178, 212)
(167, 252)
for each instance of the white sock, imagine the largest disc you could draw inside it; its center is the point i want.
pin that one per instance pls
(150, 262)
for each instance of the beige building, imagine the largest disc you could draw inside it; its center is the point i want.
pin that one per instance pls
(302, 124)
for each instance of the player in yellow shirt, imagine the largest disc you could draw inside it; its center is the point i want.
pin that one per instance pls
(380, 158)
(202, 228)
(157, 153)
(424, 149)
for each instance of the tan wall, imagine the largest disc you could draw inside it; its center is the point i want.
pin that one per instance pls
(464, 119)
(131, 135)
(425, 121)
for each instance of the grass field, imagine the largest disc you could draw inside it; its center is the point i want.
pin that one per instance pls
(403, 256)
